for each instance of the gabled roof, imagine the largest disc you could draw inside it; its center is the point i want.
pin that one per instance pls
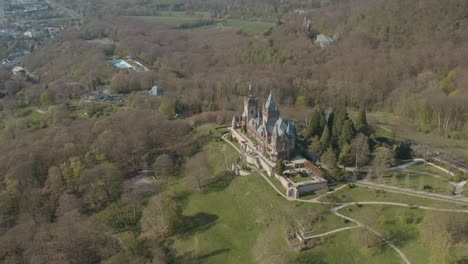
(259, 120)
(156, 90)
(275, 132)
(291, 129)
(260, 129)
(328, 113)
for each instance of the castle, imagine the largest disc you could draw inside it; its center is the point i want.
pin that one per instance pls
(275, 137)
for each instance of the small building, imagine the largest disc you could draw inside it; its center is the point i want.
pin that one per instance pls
(157, 91)
(122, 64)
(301, 177)
(18, 70)
(323, 40)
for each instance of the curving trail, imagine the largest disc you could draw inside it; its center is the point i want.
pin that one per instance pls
(334, 210)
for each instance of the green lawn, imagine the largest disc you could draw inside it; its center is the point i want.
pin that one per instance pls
(242, 219)
(238, 218)
(349, 247)
(359, 194)
(415, 181)
(298, 178)
(430, 169)
(409, 229)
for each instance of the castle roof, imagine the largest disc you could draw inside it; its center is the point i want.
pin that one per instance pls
(270, 104)
(251, 121)
(260, 129)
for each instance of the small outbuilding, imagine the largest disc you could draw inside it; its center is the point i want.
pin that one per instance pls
(323, 40)
(157, 91)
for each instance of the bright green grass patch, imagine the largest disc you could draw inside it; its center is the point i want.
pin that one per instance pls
(360, 194)
(247, 210)
(429, 169)
(408, 229)
(244, 217)
(349, 247)
(416, 181)
(170, 20)
(399, 225)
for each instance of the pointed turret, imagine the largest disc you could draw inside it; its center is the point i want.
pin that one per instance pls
(270, 104)
(291, 130)
(234, 122)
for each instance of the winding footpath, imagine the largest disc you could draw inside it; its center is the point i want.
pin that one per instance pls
(339, 206)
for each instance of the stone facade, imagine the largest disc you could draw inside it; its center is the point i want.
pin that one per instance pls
(275, 137)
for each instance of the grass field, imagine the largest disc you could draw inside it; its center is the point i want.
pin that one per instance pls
(359, 194)
(174, 19)
(243, 220)
(430, 169)
(415, 181)
(409, 229)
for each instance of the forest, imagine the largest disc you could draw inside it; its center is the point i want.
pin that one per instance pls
(68, 165)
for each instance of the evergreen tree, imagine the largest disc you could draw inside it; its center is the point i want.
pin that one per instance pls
(329, 160)
(347, 133)
(317, 123)
(325, 140)
(346, 158)
(361, 123)
(280, 167)
(314, 146)
(339, 117)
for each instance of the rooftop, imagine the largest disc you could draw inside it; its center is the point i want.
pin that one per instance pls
(324, 40)
(122, 64)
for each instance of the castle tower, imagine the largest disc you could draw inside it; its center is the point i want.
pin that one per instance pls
(250, 107)
(270, 111)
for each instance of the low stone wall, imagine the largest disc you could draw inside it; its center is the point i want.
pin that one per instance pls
(283, 181)
(250, 159)
(266, 166)
(311, 187)
(300, 188)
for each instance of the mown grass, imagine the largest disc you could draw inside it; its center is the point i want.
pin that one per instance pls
(430, 169)
(243, 217)
(407, 228)
(361, 194)
(415, 181)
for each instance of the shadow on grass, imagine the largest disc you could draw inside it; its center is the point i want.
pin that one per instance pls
(192, 258)
(182, 197)
(311, 258)
(220, 182)
(198, 223)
